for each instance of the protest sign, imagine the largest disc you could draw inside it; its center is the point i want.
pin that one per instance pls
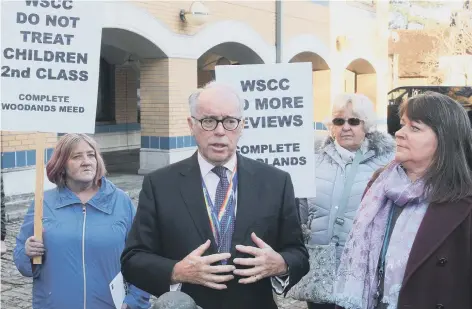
(278, 117)
(49, 74)
(50, 65)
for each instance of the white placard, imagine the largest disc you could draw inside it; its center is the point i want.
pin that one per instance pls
(117, 290)
(50, 65)
(278, 117)
(1, 64)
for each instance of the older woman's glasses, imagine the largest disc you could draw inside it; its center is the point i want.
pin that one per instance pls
(210, 124)
(351, 121)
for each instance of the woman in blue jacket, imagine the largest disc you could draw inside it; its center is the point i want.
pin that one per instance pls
(86, 220)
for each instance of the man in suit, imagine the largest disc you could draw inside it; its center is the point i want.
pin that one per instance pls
(221, 227)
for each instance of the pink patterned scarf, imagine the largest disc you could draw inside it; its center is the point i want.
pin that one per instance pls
(356, 281)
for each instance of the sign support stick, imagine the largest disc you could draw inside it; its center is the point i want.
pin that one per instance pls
(39, 192)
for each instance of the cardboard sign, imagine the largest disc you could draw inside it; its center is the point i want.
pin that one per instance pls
(49, 65)
(278, 117)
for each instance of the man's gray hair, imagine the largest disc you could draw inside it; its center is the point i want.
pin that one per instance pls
(361, 106)
(193, 98)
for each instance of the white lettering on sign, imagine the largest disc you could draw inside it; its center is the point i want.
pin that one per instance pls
(278, 117)
(50, 65)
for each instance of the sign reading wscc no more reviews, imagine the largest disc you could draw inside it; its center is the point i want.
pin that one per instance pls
(49, 65)
(278, 117)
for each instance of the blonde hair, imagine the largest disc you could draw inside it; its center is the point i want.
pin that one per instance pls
(55, 168)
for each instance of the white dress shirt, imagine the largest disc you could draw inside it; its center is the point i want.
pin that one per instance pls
(211, 182)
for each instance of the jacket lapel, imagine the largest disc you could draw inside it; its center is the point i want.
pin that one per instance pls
(246, 203)
(438, 223)
(192, 194)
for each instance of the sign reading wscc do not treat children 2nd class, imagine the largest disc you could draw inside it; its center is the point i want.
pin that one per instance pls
(49, 65)
(278, 117)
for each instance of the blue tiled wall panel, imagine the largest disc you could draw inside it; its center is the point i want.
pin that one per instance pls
(8, 159)
(176, 142)
(167, 143)
(122, 127)
(111, 128)
(164, 142)
(23, 158)
(20, 159)
(145, 142)
(320, 126)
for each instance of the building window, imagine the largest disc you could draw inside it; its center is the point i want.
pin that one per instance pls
(106, 93)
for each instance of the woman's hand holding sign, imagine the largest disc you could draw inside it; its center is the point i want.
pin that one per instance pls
(266, 262)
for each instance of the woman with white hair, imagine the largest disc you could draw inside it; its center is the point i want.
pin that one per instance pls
(345, 162)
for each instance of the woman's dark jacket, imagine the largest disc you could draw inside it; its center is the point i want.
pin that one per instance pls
(439, 270)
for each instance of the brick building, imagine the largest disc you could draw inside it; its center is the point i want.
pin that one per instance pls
(151, 60)
(406, 53)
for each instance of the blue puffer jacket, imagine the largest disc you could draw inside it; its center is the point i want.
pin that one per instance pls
(83, 246)
(321, 212)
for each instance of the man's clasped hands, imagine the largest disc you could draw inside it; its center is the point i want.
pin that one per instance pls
(198, 269)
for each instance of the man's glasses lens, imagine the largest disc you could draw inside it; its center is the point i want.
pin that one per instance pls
(350, 121)
(229, 123)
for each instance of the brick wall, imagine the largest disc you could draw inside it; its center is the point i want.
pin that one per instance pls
(321, 95)
(165, 87)
(18, 149)
(14, 141)
(126, 97)
(306, 17)
(260, 15)
(367, 85)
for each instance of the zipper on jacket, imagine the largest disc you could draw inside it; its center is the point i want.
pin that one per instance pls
(83, 255)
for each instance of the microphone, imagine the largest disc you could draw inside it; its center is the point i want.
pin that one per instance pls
(175, 300)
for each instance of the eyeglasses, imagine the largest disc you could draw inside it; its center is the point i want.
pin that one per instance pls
(210, 124)
(351, 121)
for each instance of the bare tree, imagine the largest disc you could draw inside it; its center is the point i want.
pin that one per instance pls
(455, 40)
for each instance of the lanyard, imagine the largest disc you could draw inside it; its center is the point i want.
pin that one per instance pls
(226, 210)
(386, 240)
(381, 269)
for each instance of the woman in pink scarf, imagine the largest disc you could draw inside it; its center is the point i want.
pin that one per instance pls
(411, 242)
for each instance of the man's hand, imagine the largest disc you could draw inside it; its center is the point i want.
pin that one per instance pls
(197, 269)
(266, 262)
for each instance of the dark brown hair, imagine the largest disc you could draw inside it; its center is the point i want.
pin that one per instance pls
(449, 177)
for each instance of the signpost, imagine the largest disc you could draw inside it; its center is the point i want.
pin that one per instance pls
(278, 117)
(49, 74)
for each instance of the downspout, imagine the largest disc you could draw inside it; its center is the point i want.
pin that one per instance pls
(278, 30)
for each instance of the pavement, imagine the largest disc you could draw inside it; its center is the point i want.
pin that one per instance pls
(16, 290)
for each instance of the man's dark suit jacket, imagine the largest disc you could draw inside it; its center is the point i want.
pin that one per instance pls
(172, 221)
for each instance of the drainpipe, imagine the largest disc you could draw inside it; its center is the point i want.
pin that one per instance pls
(278, 30)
